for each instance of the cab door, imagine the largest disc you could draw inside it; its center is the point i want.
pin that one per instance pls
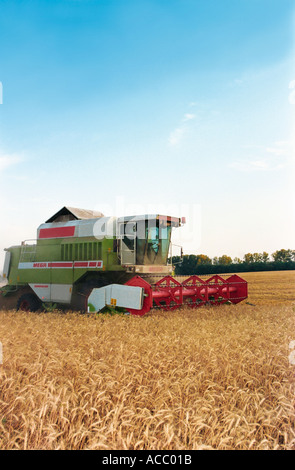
(127, 243)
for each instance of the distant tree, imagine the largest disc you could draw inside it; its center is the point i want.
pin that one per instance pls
(283, 256)
(256, 257)
(202, 264)
(224, 260)
(203, 259)
(248, 258)
(188, 265)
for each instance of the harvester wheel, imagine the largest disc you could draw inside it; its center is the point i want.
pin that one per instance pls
(28, 303)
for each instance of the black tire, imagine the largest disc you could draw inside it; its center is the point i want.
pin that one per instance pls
(28, 303)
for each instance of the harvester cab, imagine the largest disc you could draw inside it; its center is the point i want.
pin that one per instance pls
(144, 242)
(83, 261)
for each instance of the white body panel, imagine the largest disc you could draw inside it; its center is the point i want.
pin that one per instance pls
(116, 295)
(104, 227)
(6, 264)
(61, 293)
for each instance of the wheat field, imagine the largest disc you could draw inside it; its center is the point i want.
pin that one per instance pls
(212, 378)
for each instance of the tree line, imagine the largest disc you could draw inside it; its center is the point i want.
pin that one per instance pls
(202, 264)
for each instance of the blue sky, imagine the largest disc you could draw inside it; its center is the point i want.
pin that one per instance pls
(124, 106)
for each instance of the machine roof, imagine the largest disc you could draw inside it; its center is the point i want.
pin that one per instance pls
(176, 221)
(73, 213)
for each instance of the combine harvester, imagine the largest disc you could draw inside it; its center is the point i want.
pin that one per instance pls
(83, 261)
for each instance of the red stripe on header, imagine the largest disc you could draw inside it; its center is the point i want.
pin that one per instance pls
(57, 232)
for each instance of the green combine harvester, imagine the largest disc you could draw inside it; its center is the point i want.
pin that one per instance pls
(83, 261)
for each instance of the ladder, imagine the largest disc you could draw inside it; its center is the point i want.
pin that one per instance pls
(28, 251)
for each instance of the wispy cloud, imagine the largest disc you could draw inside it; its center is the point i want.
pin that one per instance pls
(280, 148)
(249, 165)
(275, 157)
(177, 135)
(188, 117)
(8, 160)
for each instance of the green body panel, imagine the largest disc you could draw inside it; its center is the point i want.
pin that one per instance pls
(62, 250)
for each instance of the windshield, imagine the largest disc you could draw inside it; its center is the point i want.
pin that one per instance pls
(153, 238)
(154, 247)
